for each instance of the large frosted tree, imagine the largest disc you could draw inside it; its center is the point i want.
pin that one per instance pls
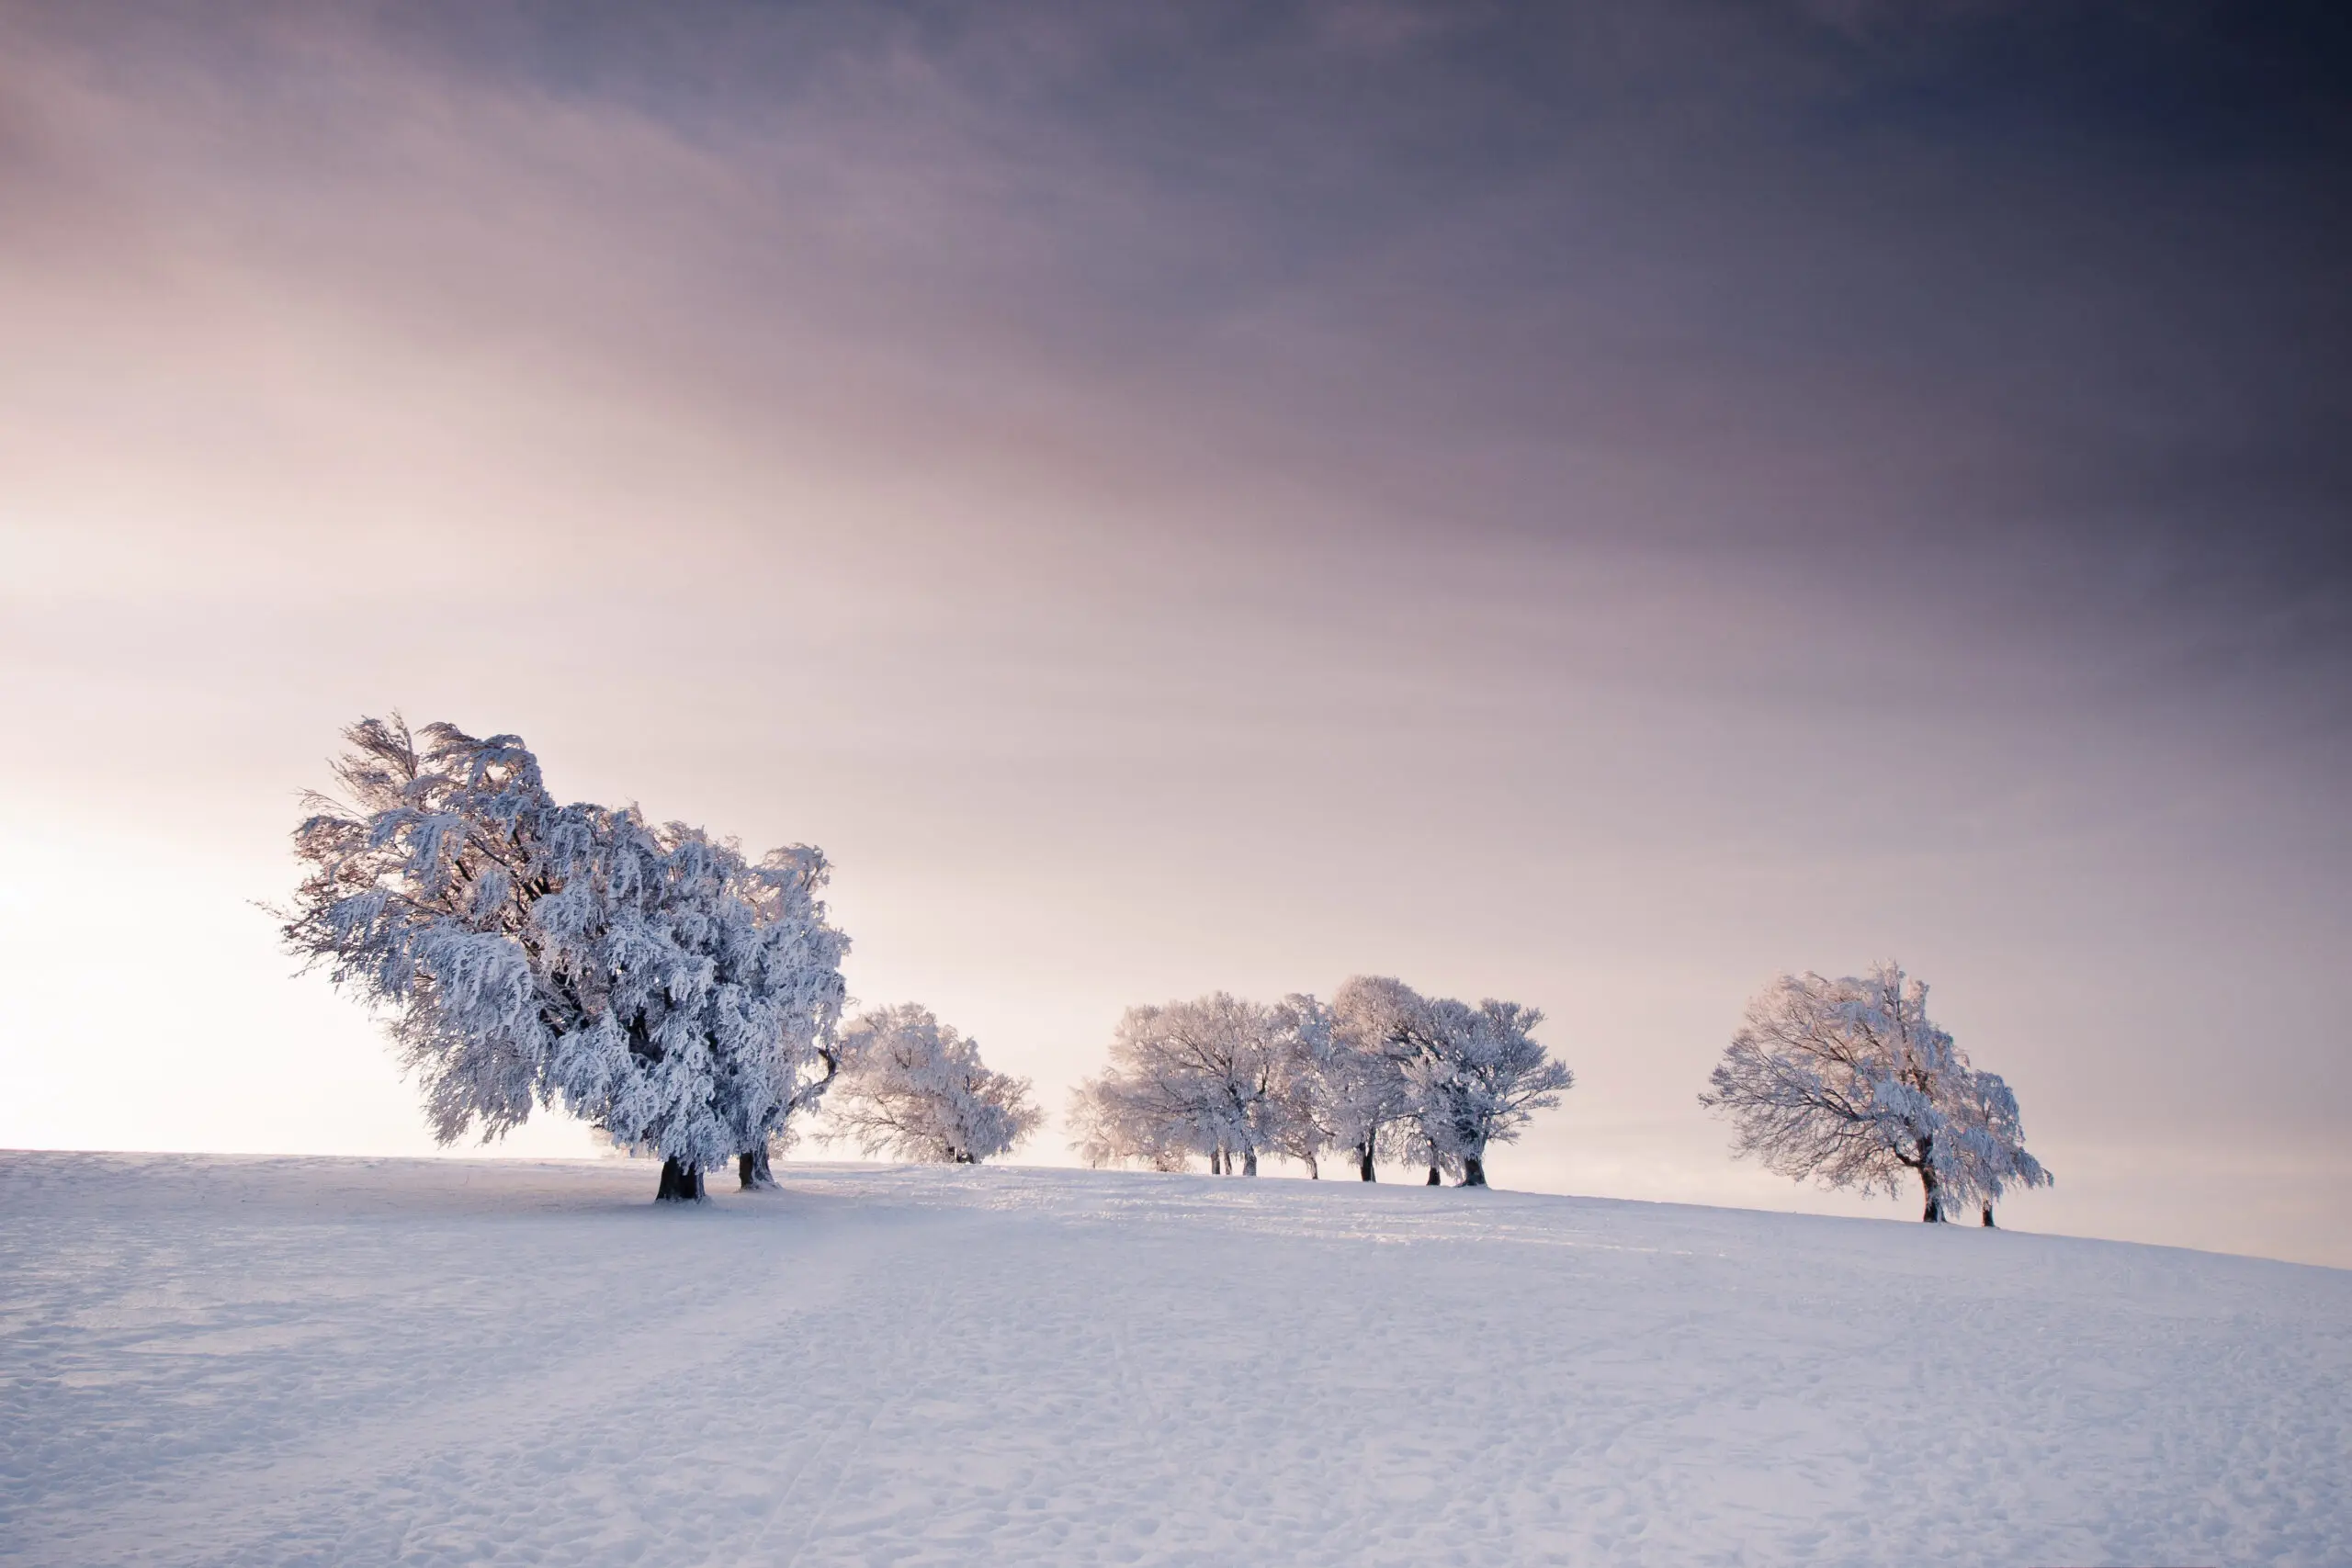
(649, 979)
(914, 1089)
(714, 986)
(1850, 1083)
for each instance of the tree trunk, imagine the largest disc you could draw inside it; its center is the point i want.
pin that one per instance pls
(1988, 1216)
(1474, 1171)
(1934, 1215)
(752, 1172)
(1364, 1164)
(1217, 1162)
(1248, 1162)
(680, 1184)
(1433, 1180)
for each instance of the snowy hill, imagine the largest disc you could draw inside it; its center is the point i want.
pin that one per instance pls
(209, 1360)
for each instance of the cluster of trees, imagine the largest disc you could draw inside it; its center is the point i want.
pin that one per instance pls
(687, 1002)
(1379, 1071)
(650, 979)
(1849, 1082)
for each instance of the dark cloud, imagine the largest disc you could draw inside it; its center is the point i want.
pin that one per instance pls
(2051, 292)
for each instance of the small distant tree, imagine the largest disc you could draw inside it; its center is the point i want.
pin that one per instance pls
(648, 978)
(1191, 1076)
(913, 1088)
(1848, 1082)
(1115, 1119)
(1306, 1082)
(1369, 1103)
(1989, 1143)
(1476, 1075)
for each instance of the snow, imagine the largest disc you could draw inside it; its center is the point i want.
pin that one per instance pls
(217, 1359)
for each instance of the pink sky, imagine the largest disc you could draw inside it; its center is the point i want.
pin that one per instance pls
(1172, 507)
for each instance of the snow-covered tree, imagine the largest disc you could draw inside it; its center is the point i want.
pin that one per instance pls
(418, 897)
(1370, 1105)
(1381, 1070)
(799, 982)
(1198, 1076)
(649, 979)
(1988, 1143)
(714, 987)
(913, 1088)
(1115, 1119)
(1474, 1077)
(1306, 1052)
(1846, 1081)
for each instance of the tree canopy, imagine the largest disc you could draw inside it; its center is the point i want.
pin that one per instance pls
(1850, 1083)
(649, 979)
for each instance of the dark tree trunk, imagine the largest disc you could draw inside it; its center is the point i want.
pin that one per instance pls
(1217, 1162)
(680, 1184)
(1363, 1163)
(1248, 1162)
(1935, 1200)
(1314, 1169)
(752, 1170)
(1433, 1180)
(1474, 1171)
(966, 1160)
(1988, 1217)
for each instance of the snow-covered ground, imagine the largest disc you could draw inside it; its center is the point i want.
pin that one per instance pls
(209, 1360)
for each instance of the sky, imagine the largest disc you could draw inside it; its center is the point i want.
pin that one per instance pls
(1597, 505)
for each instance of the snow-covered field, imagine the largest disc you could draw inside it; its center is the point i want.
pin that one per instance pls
(207, 1359)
